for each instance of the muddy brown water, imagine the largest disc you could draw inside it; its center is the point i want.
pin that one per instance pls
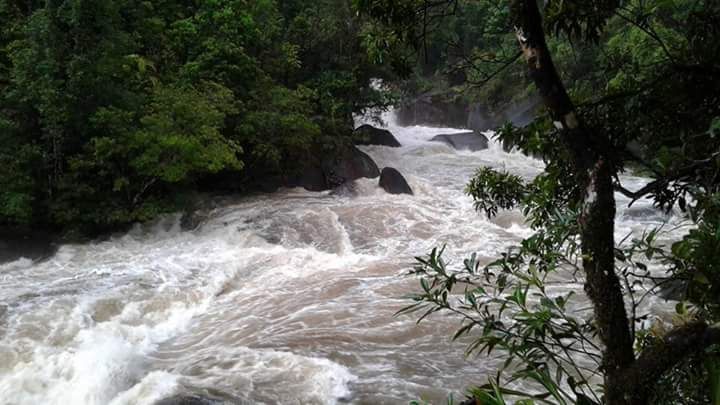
(284, 298)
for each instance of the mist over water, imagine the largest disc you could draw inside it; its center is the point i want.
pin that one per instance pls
(282, 298)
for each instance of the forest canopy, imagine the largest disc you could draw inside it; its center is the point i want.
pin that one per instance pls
(112, 112)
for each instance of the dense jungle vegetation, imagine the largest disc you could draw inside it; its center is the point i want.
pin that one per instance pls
(113, 112)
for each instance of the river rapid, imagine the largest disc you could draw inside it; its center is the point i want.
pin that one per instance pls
(281, 298)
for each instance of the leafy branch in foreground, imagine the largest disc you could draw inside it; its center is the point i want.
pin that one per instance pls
(494, 190)
(521, 306)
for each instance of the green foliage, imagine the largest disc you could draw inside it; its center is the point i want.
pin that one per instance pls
(492, 190)
(696, 259)
(579, 18)
(16, 182)
(640, 72)
(121, 108)
(180, 135)
(513, 307)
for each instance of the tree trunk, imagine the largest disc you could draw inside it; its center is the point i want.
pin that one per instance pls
(594, 173)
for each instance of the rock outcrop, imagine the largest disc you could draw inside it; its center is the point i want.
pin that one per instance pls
(312, 178)
(31, 244)
(464, 141)
(393, 182)
(348, 165)
(369, 135)
(318, 170)
(440, 110)
(433, 110)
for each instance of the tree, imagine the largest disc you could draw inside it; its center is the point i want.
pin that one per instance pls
(113, 112)
(572, 207)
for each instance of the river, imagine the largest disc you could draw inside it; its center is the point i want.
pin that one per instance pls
(281, 298)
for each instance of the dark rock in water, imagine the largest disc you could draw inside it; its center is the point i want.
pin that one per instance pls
(369, 135)
(191, 220)
(393, 182)
(16, 243)
(643, 213)
(444, 110)
(349, 165)
(190, 400)
(464, 141)
(433, 110)
(347, 189)
(319, 170)
(268, 184)
(312, 179)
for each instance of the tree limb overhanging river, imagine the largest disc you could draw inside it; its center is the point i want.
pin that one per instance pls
(282, 298)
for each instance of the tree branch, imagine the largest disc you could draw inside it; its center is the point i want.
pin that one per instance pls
(659, 358)
(663, 181)
(490, 76)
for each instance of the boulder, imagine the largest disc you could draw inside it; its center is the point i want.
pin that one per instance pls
(21, 242)
(351, 164)
(393, 182)
(319, 170)
(369, 135)
(438, 110)
(464, 141)
(643, 213)
(312, 178)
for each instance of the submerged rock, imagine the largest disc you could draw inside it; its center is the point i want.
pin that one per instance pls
(190, 400)
(464, 141)
(347, 189)
(393, 182)
(370, 135)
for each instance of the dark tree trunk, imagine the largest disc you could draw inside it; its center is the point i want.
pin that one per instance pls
(594, 174)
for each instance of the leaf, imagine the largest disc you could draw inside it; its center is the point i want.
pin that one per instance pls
(424, 284)
(464, 330)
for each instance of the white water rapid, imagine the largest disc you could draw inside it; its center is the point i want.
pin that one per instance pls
(285, 298)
